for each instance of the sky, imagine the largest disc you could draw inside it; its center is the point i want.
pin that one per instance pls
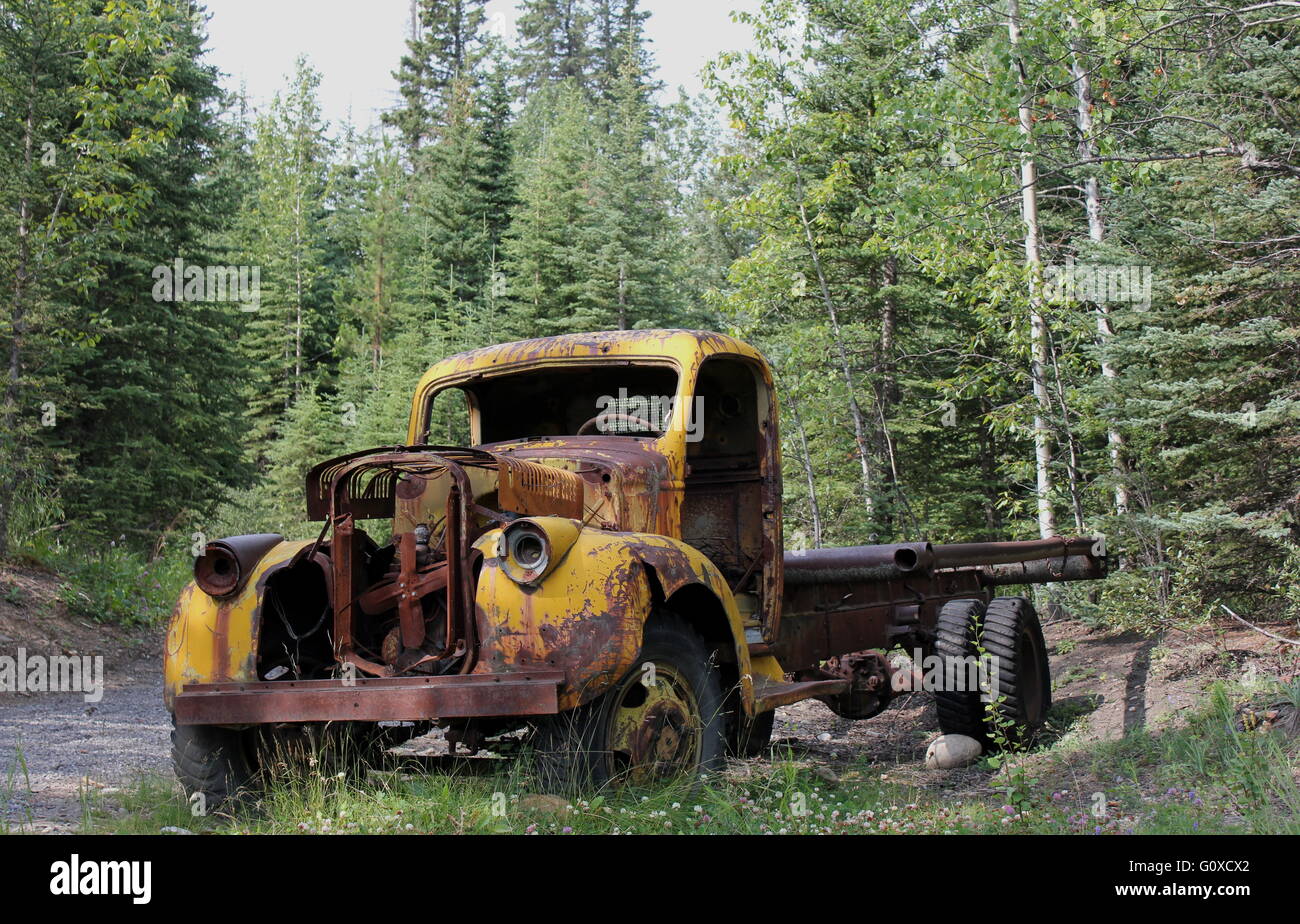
(356, 45)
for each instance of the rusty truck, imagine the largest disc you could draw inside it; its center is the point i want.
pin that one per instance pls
(582, 536)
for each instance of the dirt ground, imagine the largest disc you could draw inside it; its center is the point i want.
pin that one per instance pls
(55, 747)
(1105, 684)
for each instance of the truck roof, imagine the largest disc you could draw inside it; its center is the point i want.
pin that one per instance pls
(680, 346)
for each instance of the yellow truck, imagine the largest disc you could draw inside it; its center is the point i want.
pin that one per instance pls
(602, 562)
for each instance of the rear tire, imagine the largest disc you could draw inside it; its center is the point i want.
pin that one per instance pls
(961, 712)
(1009, 631)
(1013, 635)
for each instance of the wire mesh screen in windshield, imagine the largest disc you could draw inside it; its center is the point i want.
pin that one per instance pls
(558, 402)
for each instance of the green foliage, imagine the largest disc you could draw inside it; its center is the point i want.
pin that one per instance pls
(117, 585)
(881, 156)
(282, 230)
(457, 198)
(635, 242)
(859, 220)
(546, 262)
(554, 43)
(1208, 778)
(117, 113)
(445, 46)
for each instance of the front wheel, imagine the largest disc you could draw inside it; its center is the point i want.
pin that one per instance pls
(220, 766)
(215, 765)
(663, 720)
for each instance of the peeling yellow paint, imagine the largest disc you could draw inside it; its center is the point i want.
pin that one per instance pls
(587, 615)
(211, 641)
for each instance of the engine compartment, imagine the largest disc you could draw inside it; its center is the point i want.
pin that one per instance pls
(346, 605)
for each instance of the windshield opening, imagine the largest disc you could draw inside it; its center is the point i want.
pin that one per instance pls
(631, 400)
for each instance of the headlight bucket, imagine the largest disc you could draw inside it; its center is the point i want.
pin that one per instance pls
(529, 549)
(527, 552)
(217, 571)
(224, 565)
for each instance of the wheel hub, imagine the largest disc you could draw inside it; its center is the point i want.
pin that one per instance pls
(655, 728)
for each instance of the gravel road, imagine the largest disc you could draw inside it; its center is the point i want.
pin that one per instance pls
(69, 745)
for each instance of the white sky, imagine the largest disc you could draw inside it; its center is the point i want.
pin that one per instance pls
(356, 45)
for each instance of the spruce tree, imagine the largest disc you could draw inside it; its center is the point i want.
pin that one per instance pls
(554, 44)
(155, 433)
(370, 223)
(632, 239)
(618, 32)
(548, 250)
(445, 48)
(107, 174)
(283, 234)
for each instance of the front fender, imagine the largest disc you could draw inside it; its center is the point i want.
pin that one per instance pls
(215, 641)
(587, 616)
(676, 566)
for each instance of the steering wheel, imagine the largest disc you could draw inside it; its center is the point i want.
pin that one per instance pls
(625, 418)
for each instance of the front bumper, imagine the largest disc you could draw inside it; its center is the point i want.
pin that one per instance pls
(370, 699)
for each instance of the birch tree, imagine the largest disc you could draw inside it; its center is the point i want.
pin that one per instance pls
(1038, 334)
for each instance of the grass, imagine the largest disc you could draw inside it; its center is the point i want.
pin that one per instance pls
(785, 799)
(11, 788)
(1209, 776)
(1073, 675)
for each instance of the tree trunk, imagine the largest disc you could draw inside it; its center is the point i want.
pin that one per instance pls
(887, 391)
(17, 327)
(988, 471)
(1034, 264)
(1073, 466)
(841, 353)
(888, 327)
(377, 342)
(297, 273)
(1097, 234)
(622, 296)
(809, 478)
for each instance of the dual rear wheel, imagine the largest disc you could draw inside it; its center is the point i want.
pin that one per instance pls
(1003, 645)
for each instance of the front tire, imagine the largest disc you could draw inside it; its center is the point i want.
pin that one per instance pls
(222, 766)
(655, 724)
(215, 765)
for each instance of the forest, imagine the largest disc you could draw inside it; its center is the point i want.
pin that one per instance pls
(1022, 268)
